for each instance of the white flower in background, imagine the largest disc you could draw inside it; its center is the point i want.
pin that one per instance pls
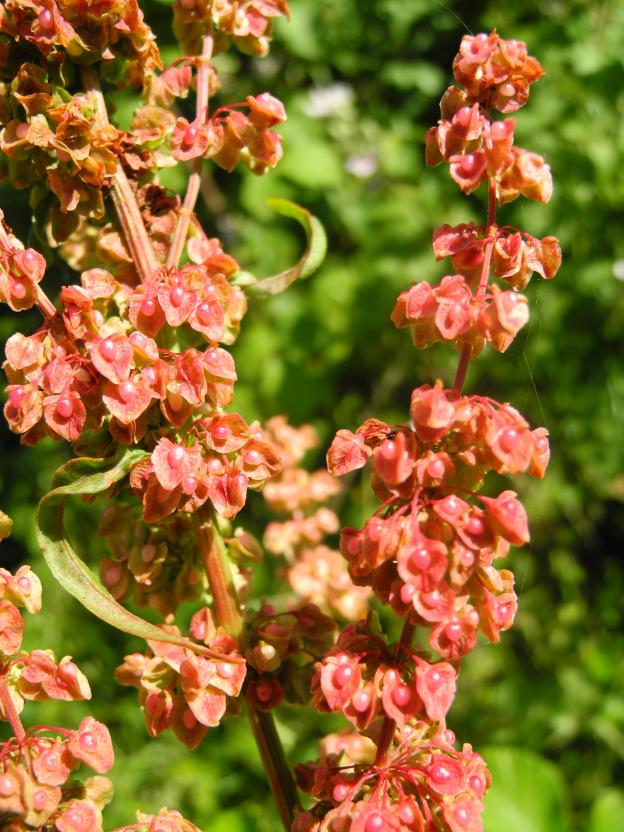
(324, 101)
(363, 166)
(618, 270)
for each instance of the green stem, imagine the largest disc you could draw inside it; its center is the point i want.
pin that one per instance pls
(275, 764)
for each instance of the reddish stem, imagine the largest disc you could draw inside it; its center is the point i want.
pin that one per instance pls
(124, 198)
(192, 190)
(11, 714)
(228, 614)
(466, 352)
(389, 725)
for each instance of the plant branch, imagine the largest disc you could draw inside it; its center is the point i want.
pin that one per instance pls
(124, 198)
(228, 614)
(11, 714)
(491, 231)
(389, 725)
(194, 182)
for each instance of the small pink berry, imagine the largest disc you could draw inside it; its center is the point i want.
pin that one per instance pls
(401, 696)
(435, 469)
(508, 439)
(148, 307)
(189, 136)
(361, 700)
(25, 585)
(220, 432)
(462, 815)
(204, 313)
(88, 741)
(407, 815)
(189, 485)
(176, 296)
(340, 791)
(374, 823)
(225, 670)
(18, 289)
(126, 391)
(112, 575)
(440, 773)
(342, 675)
(176, 456)
(476, 784)
(475, 526)
(507, 90)
(420, 558)
(51, 760)
(21, 131)
(40, 799)
(7, 786)
(453, 631)
(149, 374)
(16, 397)
(46, 19)
(253, 457)
(107, 349)
(65, 407)
(407, 593)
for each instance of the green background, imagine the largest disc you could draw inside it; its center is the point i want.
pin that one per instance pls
(546, 705)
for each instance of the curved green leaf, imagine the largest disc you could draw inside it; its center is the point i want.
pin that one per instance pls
(313, 255)
(86, 476)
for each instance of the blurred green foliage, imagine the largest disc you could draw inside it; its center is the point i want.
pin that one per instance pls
(361, 81)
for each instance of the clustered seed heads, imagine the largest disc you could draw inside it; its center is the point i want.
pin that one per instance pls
(429, 550)
(38, 789)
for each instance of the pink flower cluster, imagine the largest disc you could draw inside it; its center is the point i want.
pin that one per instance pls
(186, 691)
(496, 74)
(229, 136)
(363, 678)
(247, 22)
(429, 550)
(424, 784)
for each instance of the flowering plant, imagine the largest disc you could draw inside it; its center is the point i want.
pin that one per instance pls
(132, 369)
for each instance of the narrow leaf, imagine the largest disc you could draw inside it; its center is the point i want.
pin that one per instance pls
(86, 476)
(313, 255)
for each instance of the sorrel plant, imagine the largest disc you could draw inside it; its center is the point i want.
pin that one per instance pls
(132, 370)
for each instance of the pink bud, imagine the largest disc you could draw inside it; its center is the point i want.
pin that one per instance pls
(435, 469)
(226, 670)
(361, 700)
(374, 823)
(65, 407)
(475, 526)
(401, 696)
(88, 741)
(476, 784)
(126, 391)
(7, 786)
(189, 485)
(15, 397)
(339, 792)
(46, 19)
(107, 349)
(176, 455)
(220, 432)
(189, 137)
(40, 798)
(420, 558)
(342, 675)
(176, 296)
(453, 631)
(204, 313)
(253, 457)
(18, 289)
(264, 691)
(148, 307)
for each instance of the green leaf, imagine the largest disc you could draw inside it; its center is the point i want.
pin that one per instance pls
(527, 793)
(607, 812)
(313, 255)
(83, 477)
